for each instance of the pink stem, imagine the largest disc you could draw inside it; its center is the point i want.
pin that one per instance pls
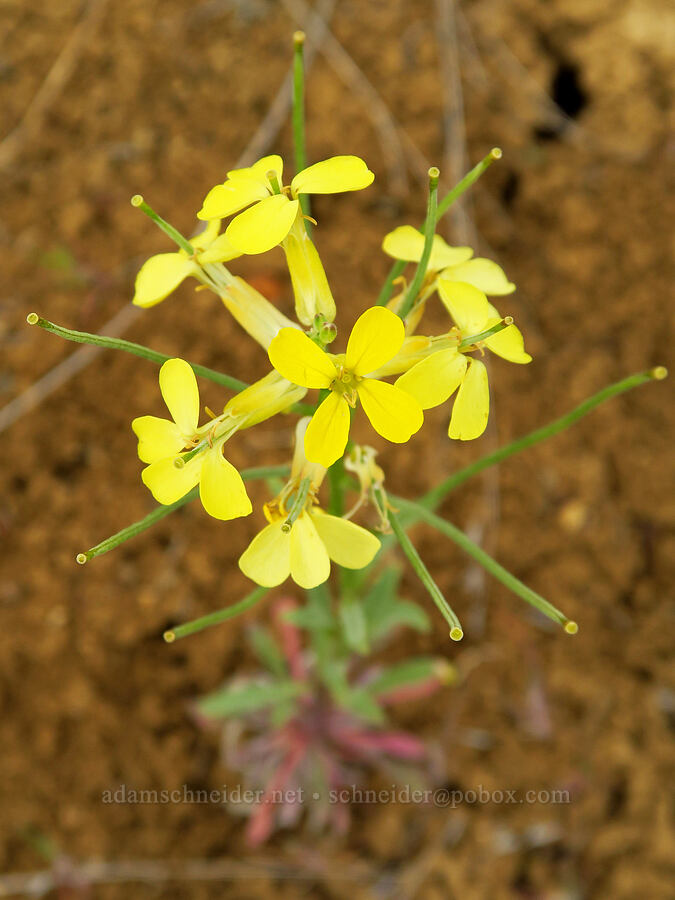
(290, 638)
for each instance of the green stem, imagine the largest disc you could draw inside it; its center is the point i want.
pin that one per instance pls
(299, 114)
(484, 335)
(336, 479)
(298, 505)
(215, 618)
(137, 528)
(445, 204)
(429, 231)
(168, 230)
(432, 498)
(487, 562)
(157, 514)
(387, 288)
(466, 182)
(110, 343)
(456, 632)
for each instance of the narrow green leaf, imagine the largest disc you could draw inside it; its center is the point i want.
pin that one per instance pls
(267, 649)
(237, 701)
(410, 672)
(354, 624)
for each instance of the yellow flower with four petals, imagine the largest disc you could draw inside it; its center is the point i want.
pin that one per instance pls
(273, 208)
(376, 337)
(434, 379)
(305, 548)
(454, 263)
(162, 441)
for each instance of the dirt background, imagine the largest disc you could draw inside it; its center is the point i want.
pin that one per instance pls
(163, 99)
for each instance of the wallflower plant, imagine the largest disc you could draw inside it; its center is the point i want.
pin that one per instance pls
(388, 366)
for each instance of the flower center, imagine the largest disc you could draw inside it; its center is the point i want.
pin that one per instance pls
(346, 384)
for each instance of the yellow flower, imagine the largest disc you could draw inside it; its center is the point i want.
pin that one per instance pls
(162, 274)
(454, 263)
(273, 208)
(161, 441)
(305, 548)
(376, 337)
(433, 380)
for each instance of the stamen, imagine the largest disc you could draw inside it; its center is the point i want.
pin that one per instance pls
(571, 627)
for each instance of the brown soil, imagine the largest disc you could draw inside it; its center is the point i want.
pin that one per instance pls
(163, 101)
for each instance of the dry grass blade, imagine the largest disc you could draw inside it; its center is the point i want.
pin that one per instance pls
(116, 327)
(55, 378)
(56, 80)
(65, 872)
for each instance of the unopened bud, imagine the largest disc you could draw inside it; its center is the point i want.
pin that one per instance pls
(328, 333)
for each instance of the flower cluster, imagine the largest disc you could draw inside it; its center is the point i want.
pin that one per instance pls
(301, 538)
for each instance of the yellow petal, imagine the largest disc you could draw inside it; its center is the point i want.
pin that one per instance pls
(267, 559)
(300, 467)
(433, 380)
(255, 313)
(414, 348)
(157, 438)
(392, 413)
(260, 169)
(263, 399)
(376, 337)
(332, 176)
(484, 274)
(407, 243)
(206, 236)
(300, 360)
(471, 408)
(310, 565)
(161, 275)
(327, 434)
(509, 344)
(467, 305)
(179, 389)
(264, 225)
(221, 250)
(167, 483)
(347, 544)
(221, 489)
(226, 199)
(310, 285)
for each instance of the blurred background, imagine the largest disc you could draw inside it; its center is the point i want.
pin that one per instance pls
(103, 100)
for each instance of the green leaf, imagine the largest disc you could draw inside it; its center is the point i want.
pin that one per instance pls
(357, 701)
(240, 700)
(354, 624)
(402, 613)
(410, 672)
(267, 650)
(384, 611)
(361, 703)
(383, 591)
